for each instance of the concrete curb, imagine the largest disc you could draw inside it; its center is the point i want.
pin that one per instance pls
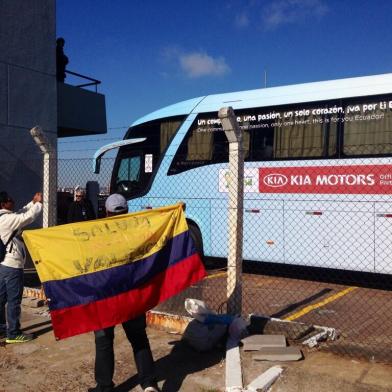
(29, 292)
(167, 321)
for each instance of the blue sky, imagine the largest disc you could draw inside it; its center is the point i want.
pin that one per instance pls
(150, 54)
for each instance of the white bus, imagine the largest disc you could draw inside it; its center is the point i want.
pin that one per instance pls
(318, 171)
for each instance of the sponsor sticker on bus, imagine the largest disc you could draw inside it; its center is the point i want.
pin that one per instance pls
(251, 180)
(352, 179)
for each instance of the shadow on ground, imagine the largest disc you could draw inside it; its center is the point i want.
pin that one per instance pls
(39, 328)
(176, 366)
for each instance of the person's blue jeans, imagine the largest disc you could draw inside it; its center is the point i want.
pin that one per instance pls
(11, 291)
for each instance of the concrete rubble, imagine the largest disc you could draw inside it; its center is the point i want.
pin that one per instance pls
(233, 367)
(265, 380)
(234, 378)
(271, 348)
(278, 354)
(326, 333)
(309, 335)
(256, 342)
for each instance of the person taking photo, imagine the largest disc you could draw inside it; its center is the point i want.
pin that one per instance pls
(11, 267)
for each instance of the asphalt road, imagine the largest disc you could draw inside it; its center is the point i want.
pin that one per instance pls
(361, 315)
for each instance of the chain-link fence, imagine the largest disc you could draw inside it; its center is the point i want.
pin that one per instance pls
(75, 174)
(317, 244)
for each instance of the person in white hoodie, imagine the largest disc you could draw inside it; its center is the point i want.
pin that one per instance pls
(11, 268)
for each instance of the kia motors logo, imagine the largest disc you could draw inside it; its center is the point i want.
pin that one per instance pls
(275, 180)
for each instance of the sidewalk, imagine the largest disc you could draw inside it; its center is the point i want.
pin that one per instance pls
(67, 365)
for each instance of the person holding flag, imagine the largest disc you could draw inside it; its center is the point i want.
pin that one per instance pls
(135, 331)
(112, 271)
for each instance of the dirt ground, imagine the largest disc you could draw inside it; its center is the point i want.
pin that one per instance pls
(47, 365)
(67, 365)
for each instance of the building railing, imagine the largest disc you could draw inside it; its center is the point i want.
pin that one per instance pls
(94, 82)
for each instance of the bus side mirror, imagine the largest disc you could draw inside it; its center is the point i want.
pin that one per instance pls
(97, 165)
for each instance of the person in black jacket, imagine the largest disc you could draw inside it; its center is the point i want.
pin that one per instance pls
(135, 330)
(80, 209)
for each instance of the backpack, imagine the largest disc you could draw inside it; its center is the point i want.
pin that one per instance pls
(3, 247)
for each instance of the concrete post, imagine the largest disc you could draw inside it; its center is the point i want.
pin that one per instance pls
(236, 202)
(49, 177)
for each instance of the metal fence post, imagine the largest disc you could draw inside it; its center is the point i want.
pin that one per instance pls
(49, 177)
(235, 213)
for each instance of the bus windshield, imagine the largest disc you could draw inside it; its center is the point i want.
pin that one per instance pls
(137, 163)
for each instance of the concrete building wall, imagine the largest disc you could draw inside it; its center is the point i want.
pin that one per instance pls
(28, 92)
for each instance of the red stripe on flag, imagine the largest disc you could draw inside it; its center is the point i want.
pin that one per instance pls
(120, 308)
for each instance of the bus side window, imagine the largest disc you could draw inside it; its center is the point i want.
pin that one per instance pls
(200, 146)
(167, 130)
(370, 137)
(221, 147)
(129, 169)
(262, 145)
(246, 144)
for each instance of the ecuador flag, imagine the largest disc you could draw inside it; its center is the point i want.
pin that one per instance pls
(100, 273)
